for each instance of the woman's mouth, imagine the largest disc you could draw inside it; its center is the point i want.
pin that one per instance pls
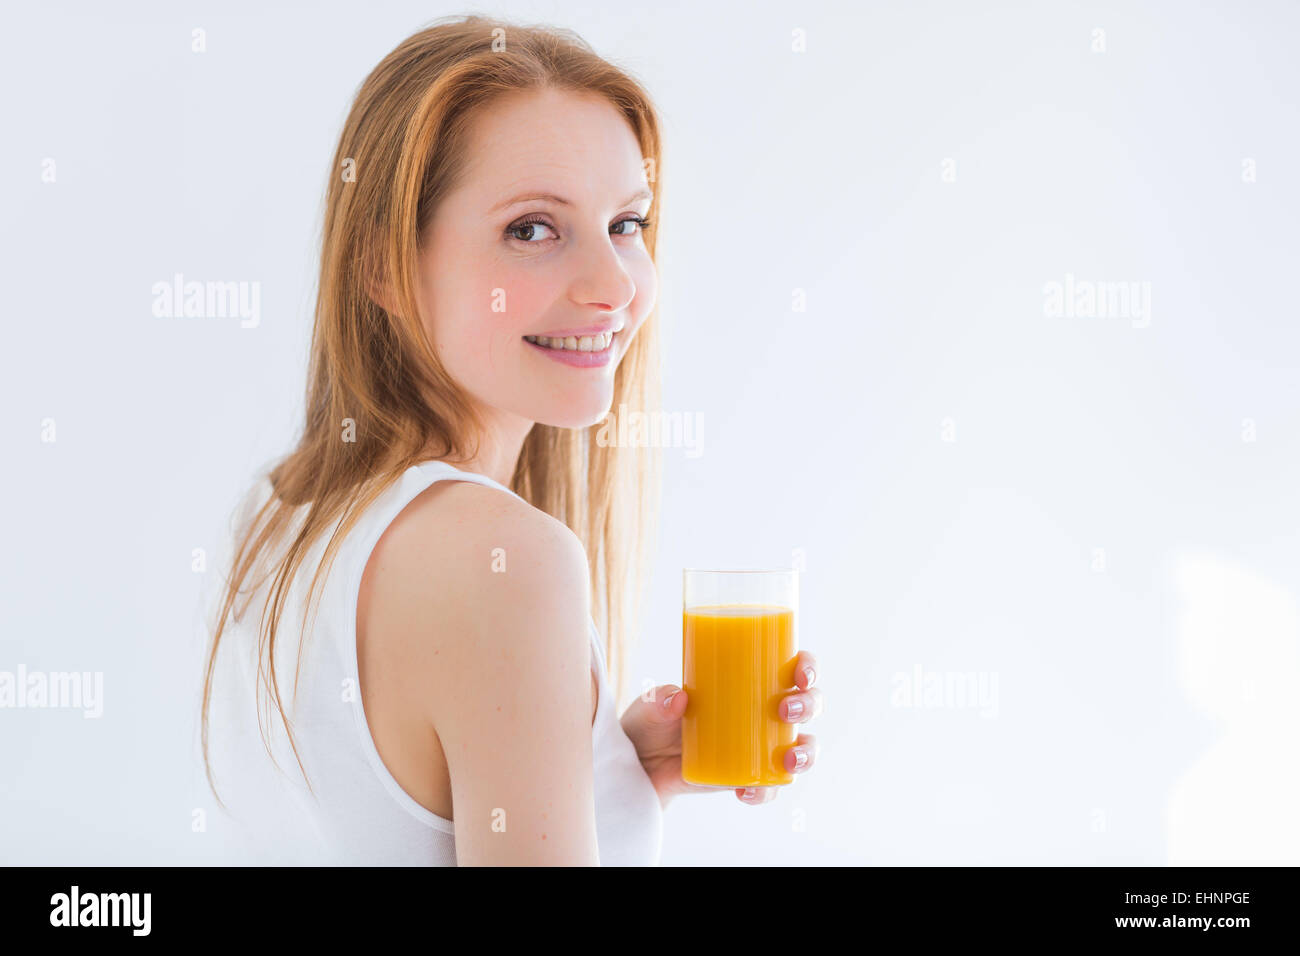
(584, 343)
(587, 351)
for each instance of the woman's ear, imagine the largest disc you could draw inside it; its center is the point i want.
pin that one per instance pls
(379, 295)
(378, 288)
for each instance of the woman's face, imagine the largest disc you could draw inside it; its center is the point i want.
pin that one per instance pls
(540, 239)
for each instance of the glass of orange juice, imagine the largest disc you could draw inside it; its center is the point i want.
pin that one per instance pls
(739, 642)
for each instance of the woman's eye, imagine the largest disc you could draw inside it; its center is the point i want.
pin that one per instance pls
(529, 229)
(637, 221)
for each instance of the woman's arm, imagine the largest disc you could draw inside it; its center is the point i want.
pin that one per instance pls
(500, 639)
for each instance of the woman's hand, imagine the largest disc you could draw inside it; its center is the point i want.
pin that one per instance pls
(655, 728)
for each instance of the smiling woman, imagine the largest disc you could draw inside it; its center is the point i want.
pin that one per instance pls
(566, 258)
(487, 293)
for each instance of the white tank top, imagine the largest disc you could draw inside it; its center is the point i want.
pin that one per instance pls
(360, 815)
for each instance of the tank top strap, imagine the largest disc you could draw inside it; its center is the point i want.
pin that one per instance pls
(435, 469)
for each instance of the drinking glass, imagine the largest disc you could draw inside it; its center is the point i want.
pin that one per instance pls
(739, 643)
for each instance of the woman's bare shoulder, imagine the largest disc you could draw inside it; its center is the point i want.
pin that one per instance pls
(466, 566)
(476, 628)
(468, 530)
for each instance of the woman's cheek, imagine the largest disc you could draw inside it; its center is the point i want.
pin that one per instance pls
(647, 290)
(517, 303)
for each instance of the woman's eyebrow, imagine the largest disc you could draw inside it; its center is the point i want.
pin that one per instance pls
(561, 201)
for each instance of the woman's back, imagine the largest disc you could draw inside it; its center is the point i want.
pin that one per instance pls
(461, 604)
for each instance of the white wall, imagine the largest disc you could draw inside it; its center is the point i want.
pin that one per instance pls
(1097, 517)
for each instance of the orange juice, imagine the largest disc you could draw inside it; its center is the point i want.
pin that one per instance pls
(737, 664)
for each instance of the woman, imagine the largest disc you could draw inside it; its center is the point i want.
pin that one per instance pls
(486, 291)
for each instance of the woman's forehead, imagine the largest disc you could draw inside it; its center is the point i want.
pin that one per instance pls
(563, 148)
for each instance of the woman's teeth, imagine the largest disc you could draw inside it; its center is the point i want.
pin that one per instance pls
(586, 343)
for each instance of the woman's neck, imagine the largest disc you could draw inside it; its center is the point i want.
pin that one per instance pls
(498, 449)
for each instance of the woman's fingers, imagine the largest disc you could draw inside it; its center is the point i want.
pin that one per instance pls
(798, 759)
(802, 755)
(802, 707)
(671, 702)
(805, 669)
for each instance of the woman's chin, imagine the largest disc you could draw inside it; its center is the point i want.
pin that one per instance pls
(574, 415)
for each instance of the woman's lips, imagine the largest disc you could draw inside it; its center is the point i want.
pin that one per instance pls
(600, 329)
(576, 358)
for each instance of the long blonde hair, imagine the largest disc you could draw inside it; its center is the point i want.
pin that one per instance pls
(404, 144)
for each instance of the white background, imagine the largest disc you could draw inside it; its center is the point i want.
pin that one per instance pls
(1145, 710)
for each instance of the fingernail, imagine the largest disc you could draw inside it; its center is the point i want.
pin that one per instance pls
(793, 709)
(668, 701)
(810, 674)
(749, 793)
(800, 759)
